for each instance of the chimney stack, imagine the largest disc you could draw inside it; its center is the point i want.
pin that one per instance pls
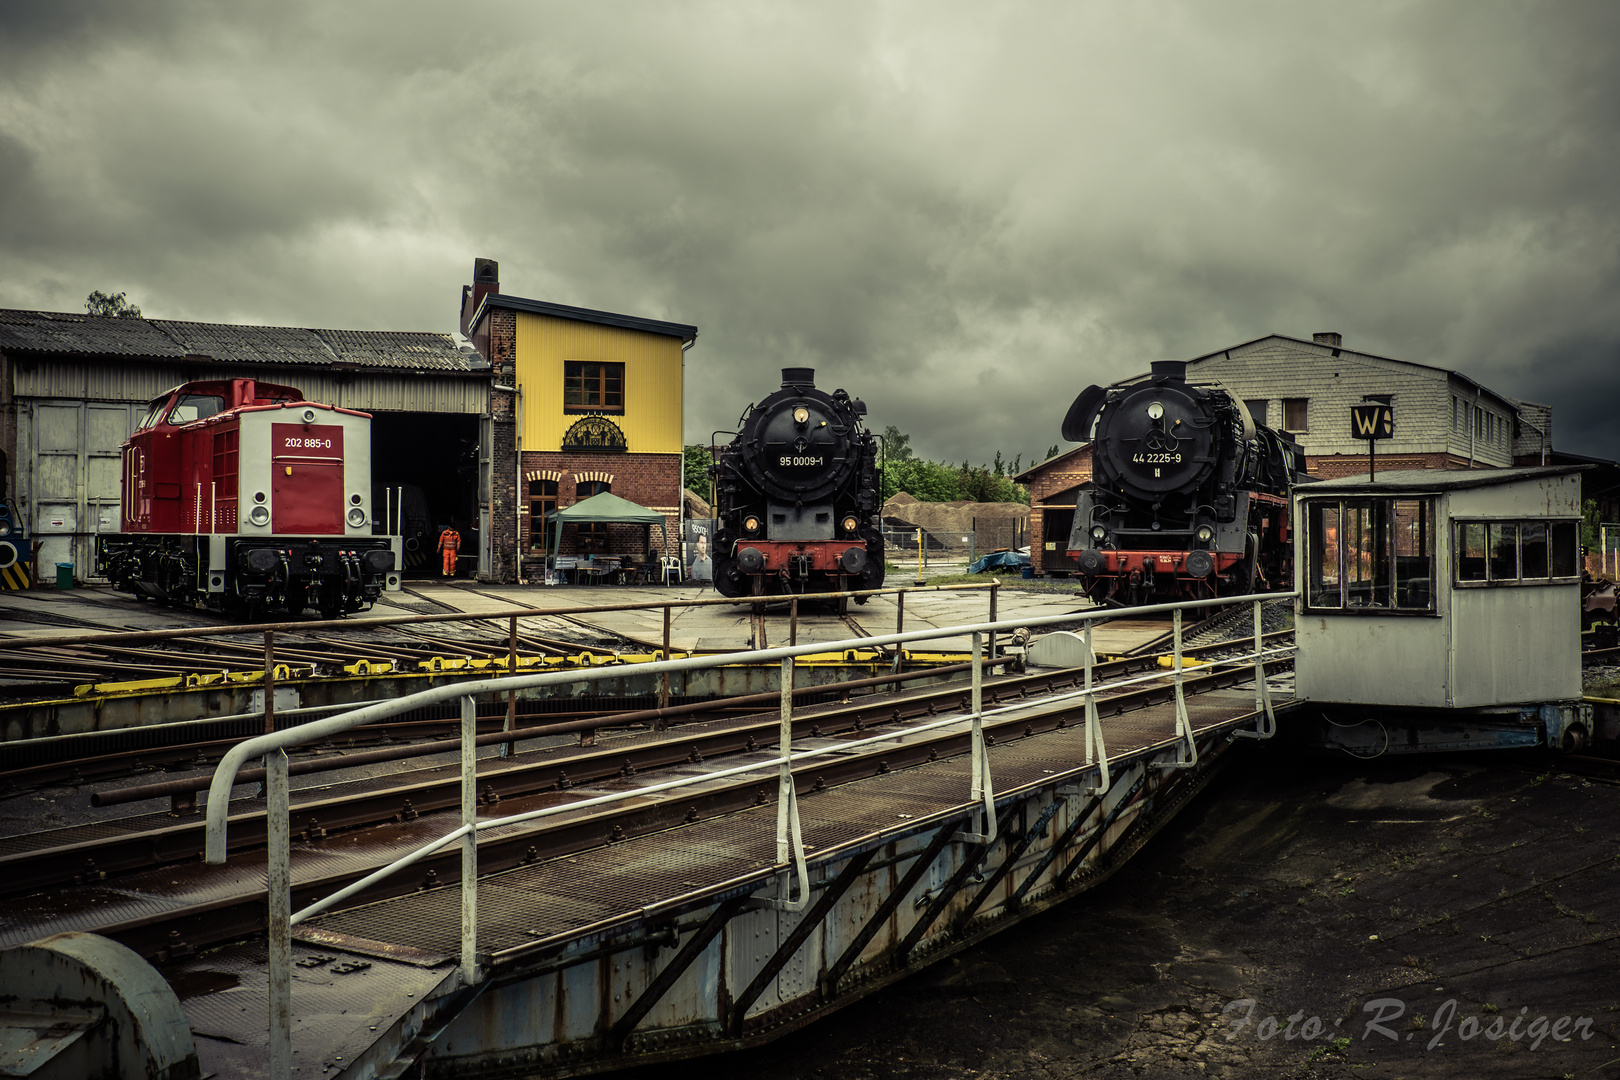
(1328, 338)
(486, 280)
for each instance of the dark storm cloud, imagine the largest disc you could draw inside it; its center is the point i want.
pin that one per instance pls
(962, 213)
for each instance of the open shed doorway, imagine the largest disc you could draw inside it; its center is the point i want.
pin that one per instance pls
(431, 461)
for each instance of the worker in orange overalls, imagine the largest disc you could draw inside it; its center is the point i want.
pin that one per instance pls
(449, 543)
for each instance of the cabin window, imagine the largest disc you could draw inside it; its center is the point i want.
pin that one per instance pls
(1370, 555)
(1530, 551)
(592, 387)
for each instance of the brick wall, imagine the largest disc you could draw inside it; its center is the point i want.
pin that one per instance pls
(502, 497)
(1334, 466)
(649, 480)
(1054, 483)
(1060, 474)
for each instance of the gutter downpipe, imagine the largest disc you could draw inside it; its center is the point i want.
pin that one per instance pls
(680, 484)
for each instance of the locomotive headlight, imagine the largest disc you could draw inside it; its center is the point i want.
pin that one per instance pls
(751, 524)
(309, 416)
(851, 523)
(357, 517)
(1155, 410)
(801, 415)
(356, 499)
(1205, 532)
(259, 515)
(1098, 532)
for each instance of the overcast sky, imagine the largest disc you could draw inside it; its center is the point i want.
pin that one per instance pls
(961, 212)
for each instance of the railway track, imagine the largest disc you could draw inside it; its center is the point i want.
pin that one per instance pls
(369, 816)
(37, 669)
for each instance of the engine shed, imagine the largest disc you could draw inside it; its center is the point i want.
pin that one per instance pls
(1442, 590)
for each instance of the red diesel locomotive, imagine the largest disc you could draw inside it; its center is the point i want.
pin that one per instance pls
(242, 496)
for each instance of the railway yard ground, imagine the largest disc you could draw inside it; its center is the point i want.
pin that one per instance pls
(1304, 916)
(1406, 905)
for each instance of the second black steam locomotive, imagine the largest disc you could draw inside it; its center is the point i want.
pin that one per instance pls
(797, 494)
(1188, 497)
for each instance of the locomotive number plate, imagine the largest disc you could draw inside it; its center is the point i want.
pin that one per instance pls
(789, 460)
(1157, 459)
(293, 442)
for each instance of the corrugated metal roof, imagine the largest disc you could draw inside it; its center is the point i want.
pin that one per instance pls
(228, 343)
(66, 332)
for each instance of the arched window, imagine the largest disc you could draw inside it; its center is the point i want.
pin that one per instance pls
(542, 504)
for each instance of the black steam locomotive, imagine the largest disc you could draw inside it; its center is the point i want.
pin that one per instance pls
(797, 494)
(1188, 497)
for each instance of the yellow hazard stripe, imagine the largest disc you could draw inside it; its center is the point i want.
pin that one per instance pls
(16, 576)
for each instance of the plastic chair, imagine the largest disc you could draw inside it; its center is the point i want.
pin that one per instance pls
(669, 568)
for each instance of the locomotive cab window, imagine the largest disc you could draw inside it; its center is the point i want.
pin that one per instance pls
(192, 407)
(1522, 552)
(592, 387)
(1370, 555)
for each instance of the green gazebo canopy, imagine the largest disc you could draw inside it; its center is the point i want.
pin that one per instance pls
(605, 508)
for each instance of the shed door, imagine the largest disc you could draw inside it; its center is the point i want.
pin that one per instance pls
(73, 477)
(1055, 528)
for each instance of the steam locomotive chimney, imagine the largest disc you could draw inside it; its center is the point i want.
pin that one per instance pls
(1168, 370)
(798, 376)
(486, 280)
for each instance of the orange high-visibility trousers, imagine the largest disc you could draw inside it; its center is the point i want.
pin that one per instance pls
(449, 543)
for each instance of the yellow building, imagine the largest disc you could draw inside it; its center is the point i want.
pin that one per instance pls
(581, 402)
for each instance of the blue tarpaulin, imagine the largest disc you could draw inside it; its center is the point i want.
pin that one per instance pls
(1012, 560)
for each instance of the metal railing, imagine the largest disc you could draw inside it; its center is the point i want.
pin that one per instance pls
(789, 847)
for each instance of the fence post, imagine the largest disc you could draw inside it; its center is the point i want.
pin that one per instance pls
(469, 841)
(1094, 739)
(278, 888)
(1262, 692)
(508, 748)
(789, 837)
(1187, 754)
(899, 628)
(269, 682)
(995, 586)
(982, 788)
(663, 680)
